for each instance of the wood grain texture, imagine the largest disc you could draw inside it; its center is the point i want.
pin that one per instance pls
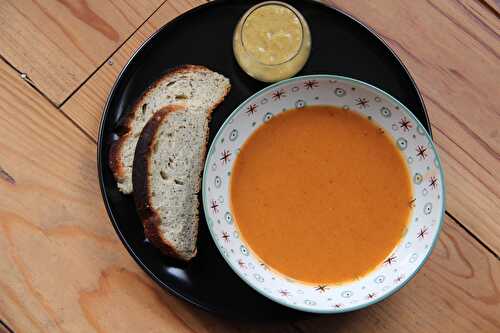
(492, 5)
(62, 268)
(86, 105)
(59, 43)
(452, 50)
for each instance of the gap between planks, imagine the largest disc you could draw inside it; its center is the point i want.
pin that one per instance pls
(25, 78)
(490, 7)
(5, 327)
(460, 224)
(107, 59)
(59, 106)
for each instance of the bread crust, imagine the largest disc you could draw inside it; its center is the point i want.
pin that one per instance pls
(114, 161)
(140, 179)
(141, 170)
(124, 129)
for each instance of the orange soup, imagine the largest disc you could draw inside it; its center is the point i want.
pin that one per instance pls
(321, 194)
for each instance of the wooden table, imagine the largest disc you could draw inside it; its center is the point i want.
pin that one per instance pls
(62, 267)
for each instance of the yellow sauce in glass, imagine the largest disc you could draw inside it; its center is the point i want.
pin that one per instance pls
(272, 34)
(272, 41)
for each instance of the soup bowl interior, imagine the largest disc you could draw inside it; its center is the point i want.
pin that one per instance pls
(408, 135)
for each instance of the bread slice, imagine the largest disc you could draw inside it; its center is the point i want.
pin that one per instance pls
(167, 168)
(188, 85)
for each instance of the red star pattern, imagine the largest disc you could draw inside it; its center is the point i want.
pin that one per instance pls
(242, 264)
(412, 203)
(371, 296)
(225, 157)
(423, 231)
(433, 182)
(311, 84)
(251, 109)
(278, 94)
(405, 124)
(284, 293)
(390, 260)
(225, 236)
(421, 152)
(362, 102)
(215, 206)
(322, 288)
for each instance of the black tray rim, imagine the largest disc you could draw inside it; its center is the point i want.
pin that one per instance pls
(112, 93)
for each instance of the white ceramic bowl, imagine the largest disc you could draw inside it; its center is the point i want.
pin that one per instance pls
(408, 134)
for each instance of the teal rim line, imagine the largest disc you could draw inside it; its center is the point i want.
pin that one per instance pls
(378, 91)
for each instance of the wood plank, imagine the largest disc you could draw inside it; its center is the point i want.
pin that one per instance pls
(62, 268)
(58, 44)
(85, 106)
(438, 48)
(58, 235)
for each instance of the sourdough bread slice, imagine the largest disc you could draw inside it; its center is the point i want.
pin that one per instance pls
(167, 170)
(188, 85)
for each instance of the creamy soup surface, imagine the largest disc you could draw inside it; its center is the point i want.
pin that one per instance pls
(321, 194)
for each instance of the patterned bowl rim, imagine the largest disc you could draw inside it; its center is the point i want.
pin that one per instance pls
(369, 87)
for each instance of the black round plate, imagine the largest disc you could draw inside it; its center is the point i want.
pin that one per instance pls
(203, 36)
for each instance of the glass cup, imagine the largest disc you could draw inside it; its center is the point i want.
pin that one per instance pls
(272, 41)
